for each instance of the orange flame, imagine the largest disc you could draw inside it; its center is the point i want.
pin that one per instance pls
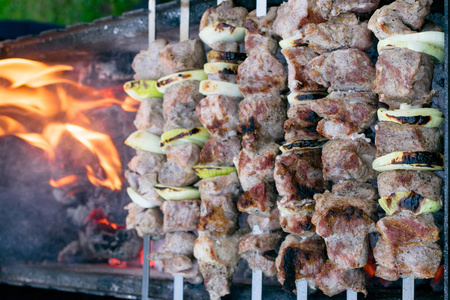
(40, 92)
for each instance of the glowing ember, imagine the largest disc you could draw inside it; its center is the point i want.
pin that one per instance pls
(438, 280)
(39, 92)
(141, 257)
(99, 217)
(117, 263)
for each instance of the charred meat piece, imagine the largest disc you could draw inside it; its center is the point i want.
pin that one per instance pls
(348, 159)
(343, 31)
(299, 258)
(295, 216)
(145, 221)
(345, 223)
(146, 64)
(220, 152)
(426, 184)
(259, 32)
(260, 198)
(301, 123)
(177, 171)
(254, 167)
(224, 13)
(392, 137)
(298, 174)
(219, 185)
(182, 56)
(261, 73)
(180, 101)
(147, 190)
(333, 280)
(343, 70)
(269, 222)
(219, 114)
(345, 113)
(404, 76)
(418, 261)
(219, 216)
(223, 77)
(336, 7)
(146, 162)
(294, 14)
(298, 69)
(218, 260)
(150, 116)
(265, 113)
(258, 251)
(399, 17)
(181, 215)
(355, 189)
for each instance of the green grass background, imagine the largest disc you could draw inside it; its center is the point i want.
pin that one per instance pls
(63, 12)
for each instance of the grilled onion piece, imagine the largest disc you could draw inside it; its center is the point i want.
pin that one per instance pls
(142, 89)
(302, 145)
(420, 161)
(430, 49)
(221, 32)
(295, 207)
(221, 68)
(304, 98)
(165, 82)
(175, 137)
(293, 41)
(224, 56)
(215, 87)
(211, 171)
(428, 117)
(139, 199)
(177, 193)
(144, 140)
(408, 201)
(436, 38)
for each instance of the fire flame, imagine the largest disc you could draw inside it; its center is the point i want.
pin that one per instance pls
(99, 217)
(37, 91)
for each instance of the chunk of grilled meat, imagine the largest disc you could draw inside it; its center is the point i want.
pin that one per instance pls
(343, 70)
(407, 246)
(343, 116)
(218, 260)
(219, 215)
(259, 32)
(224, 13)
(180, 101)
(219, 185)
(345, 223)
(146, 64)
(299, 258)
(258, 250)
(343, 31)
(296, 215)
(262, 119)
(426, 184)
(348, 159)
(182, 56)
(219, 114)
(254, 167)
(392, 137)
(145, 221)
(265, 222)
(294, 14)
(146, 188)
(146, 162)
(177, 171)
(301, 123)
(298, 174)
(355, 189)
(259, 199)
(399, 17)
(337, 7)
(333, 279)
(404, 76)
(298, 69)
(150, 116)
(220, 152)
(261, 74)
(181, 215)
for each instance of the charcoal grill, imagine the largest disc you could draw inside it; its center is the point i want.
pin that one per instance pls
(110, 44)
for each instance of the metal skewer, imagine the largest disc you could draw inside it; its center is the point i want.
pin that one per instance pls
(178, 282)
(408, 288)
(302, 289)
(352, 295)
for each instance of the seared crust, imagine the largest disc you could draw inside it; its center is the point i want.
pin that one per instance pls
(260, 198)
(220, 152)
(218, 216)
